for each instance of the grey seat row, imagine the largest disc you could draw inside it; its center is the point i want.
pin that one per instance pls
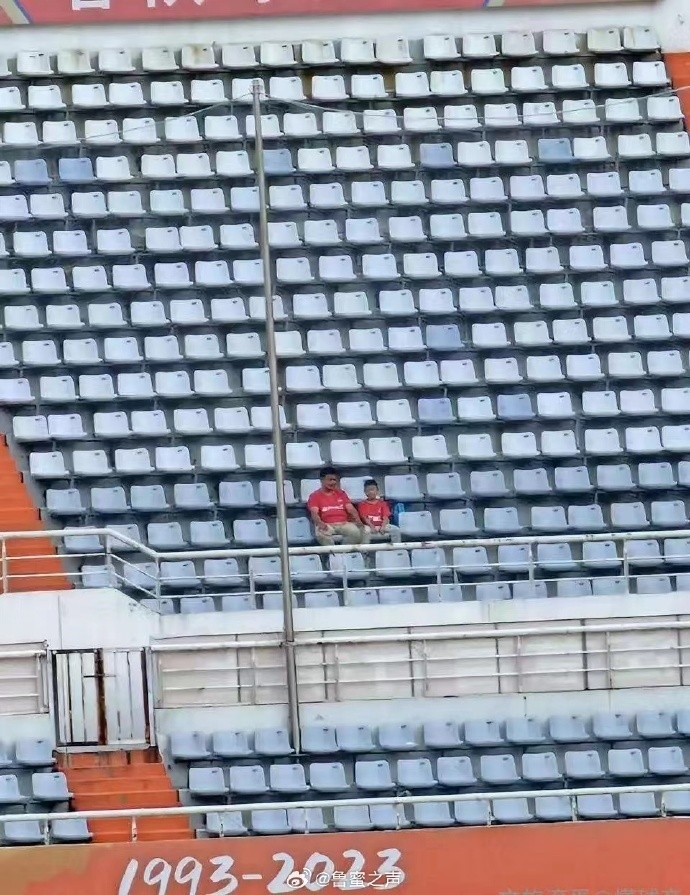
(390, 595)
(455, 772)
(471, 812)
(196, 746)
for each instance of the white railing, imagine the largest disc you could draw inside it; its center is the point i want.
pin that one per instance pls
(24, 685)
(116, 559)
(548, 656)
(398, 802)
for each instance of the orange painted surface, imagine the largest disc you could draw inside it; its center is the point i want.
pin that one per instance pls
(118, 780)
(18, 513)
(635, 857)
(62, 12)
(678, 67)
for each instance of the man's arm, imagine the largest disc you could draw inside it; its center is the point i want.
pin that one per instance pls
(316, 518)
(353, 514)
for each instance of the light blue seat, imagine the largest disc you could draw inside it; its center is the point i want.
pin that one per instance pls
(70, 829)
(498, 770)
(525, 731)
(306, 820)
(568, 729)
(34, 752)
(584, 765)
(354, 738)
(228, 823)
(596, 807)
(288, 778)
(373, 776)
(676, 803)
(75, 170)
(319, 740)
(626, 763)
(440, 735)
(666, 761)
(398, 737)
(9, 790)
(655, 725)
(541, 767)
(33, 172)
(611, 727)
(473, 812)
(270, 822)
(455, 771)
(483, 733)
(436, 155)
(512, 811)
(435, 411)
(432, 814)
(23, 832)
(328, 777)
(188, 746)
(207, 783)
(230, 744)
(247, 780)
(50, 787)
(415, 773)
(638, 804)
(352, 818)
(553, 808)
(272, 741)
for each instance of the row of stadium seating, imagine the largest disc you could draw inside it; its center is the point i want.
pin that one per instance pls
(451, 733)
(349, 51)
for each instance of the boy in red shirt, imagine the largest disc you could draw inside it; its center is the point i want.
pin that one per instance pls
(375, 514)
(332, 512)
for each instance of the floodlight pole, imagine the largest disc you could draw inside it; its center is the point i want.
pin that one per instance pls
(278, 453)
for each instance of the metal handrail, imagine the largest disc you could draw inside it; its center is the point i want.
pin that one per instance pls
(490, 632)
(196, 810)
(224, 553)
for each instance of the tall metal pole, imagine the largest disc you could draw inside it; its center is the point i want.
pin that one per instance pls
(286, 583)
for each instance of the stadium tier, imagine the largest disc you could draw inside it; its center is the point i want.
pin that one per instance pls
(481, 264)
(479, 249)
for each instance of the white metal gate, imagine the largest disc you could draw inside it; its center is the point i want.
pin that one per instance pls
(101, 698)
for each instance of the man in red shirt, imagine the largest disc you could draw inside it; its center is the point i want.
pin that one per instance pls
(375, 514)
(333, 514)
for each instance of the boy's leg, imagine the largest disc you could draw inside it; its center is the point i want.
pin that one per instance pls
(393, 533)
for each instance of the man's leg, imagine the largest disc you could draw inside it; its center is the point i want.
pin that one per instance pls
(350, 533)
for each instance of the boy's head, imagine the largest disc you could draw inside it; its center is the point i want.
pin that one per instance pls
(330, 478)
(371, 489)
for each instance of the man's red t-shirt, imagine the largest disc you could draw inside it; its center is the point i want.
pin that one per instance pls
(374, 512)
(330, 504)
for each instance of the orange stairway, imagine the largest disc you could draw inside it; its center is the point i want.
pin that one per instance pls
(136, 779)
(32, 564)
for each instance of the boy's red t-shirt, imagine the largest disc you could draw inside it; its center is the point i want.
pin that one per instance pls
(330, 504)
(374, 512)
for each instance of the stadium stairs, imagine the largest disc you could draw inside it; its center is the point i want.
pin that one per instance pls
(35, 559)
(119, 780)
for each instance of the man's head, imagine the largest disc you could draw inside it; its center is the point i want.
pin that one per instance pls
(330, 478)
(371, 489)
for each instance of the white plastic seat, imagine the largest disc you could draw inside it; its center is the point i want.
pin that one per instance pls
(663, 108)
(611, 75)
(560, 43)
(488, 81)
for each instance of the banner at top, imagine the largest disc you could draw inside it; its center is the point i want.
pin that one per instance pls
(75, 12)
